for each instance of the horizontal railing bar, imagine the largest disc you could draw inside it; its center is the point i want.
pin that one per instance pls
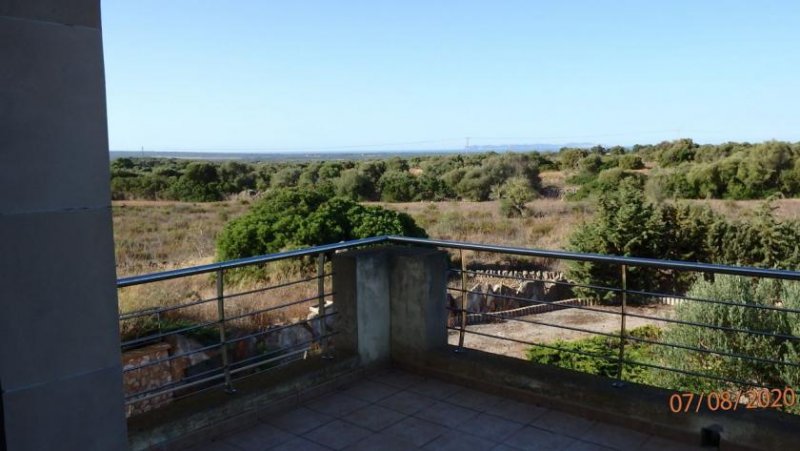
(158, 391)
(693, 373)
(531, 279)
(238, 263)
(711, 351)
(175, 385)
(571, 284)
(600, 258)
(172, 332)
(173, 357)
(280, 328)
(505, 296)
(609, 358)
(269, 309)
(273, 287)
(160, 310)
(713, 326)
(574, 351)
(261, 362)
(714, 301)
(542, 323)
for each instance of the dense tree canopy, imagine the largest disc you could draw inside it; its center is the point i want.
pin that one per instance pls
(292, 218)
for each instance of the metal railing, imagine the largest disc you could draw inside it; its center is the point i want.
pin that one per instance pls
(621, 307)
(228, 367)
(154, 376)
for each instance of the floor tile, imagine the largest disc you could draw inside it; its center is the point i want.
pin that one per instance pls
(446, 414)
(662, 444)
(215, 446)
(396, 378)
(433, 388)
(579, 445)
(299, 444)
(490, 427)
(371, 391)
(337, 434)
(531, 438)
(563, 423)
(336, 404)
(460, 441)
(407, 402)
(258, 438)
(473, 399)
(299, 420)
(519, 412)
(382, 442)
(374, 417)
(614, 436)
(415, 430)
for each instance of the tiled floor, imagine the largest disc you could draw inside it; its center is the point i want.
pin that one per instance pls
(394, 410)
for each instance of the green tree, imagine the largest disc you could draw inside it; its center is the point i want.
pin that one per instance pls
(721, 338)
(291, 218)
(199, 183)
(354, 184)
(397, 186)
(513, 195)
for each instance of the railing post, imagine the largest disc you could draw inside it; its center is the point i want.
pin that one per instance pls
(463, 326)
(226, 368)
(321, 313)
(622, 332)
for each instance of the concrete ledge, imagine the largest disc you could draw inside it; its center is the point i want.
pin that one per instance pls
(633, 406)
(202, 417)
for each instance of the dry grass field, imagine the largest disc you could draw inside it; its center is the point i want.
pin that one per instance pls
(156, 236)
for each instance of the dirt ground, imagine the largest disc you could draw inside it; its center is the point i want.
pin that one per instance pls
(607, 321)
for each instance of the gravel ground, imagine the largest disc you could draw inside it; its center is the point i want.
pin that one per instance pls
(536, 333)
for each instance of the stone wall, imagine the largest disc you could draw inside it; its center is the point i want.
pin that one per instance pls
(148, 378)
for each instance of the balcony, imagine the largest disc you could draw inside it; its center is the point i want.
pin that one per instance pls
(391, 341)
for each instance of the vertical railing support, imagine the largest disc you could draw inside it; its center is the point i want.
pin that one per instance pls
(226, 364)
(622, 332)
(463, 310)
(321, 313)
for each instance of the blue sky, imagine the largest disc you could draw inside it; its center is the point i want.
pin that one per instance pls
(314, 75)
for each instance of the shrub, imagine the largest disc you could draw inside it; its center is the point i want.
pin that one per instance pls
(738, 290)
(625, 224)
(291, 218)
(397, 186)
(513, 196)
(599, 355)
(630, 162)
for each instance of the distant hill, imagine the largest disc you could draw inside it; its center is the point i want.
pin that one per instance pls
(337, 155)
(527, 147)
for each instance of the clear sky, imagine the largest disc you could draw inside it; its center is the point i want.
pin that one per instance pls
(296, 75)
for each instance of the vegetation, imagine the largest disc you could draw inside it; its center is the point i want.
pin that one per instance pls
(725, 353)
(599, 355)
(627, 224)
(395, 179)
(292, 218)
(759, 372)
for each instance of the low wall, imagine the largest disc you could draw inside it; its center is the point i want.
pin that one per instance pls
(148, 378)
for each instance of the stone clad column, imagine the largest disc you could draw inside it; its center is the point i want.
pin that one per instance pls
(391, 302)
(60, 368)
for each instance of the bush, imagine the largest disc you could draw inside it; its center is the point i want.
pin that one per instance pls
(630, 162)
(599, 355)
(738, 290)
(626, 225)
(288, 219)
(397, 186)
(513, 196)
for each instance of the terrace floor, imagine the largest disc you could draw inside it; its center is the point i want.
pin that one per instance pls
(396, 410)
